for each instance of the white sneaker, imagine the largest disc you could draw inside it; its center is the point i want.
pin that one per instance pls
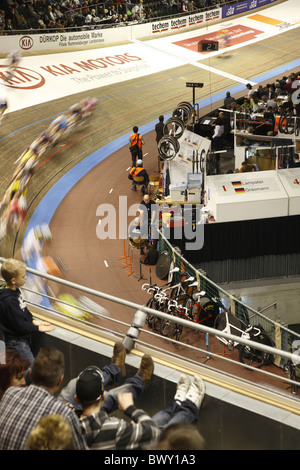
(196, 391)
(183, 385)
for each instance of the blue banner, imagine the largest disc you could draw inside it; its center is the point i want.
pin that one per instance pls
(244, 6)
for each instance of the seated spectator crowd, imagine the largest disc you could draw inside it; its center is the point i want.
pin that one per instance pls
(266, 104)
(36, 413)
(51, 16)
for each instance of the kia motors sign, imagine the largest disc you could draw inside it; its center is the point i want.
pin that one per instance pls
(26, 42)
(24, 79)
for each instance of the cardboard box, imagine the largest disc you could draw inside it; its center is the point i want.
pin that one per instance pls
(177, 192)
(194, 195)
(194, 180)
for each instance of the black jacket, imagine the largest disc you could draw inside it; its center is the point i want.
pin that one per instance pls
(15, 318)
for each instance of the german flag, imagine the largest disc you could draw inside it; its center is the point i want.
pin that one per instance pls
(236, 183)
(239, 190)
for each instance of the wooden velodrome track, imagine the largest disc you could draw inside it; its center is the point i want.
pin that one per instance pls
(89, 261)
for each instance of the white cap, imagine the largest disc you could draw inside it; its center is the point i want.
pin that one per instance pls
(139, 162)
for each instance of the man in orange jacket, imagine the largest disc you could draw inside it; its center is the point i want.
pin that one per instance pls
(138, 175)
(136, 145)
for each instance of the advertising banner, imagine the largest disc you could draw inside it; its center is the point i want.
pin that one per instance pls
(244, 6)
(185, 22)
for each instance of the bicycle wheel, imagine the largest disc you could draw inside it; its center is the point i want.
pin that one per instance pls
(208, 313)
(166, 327)
(176, 331)
(174, 126)
(150, 317)
(156, 324)
(168, 147)
(184, 111)
(287, 124)
(251, 357)
(256, 357)
(268, 358)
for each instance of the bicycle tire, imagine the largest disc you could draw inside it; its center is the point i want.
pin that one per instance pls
(168, 147)
(174, 126)
(176, 331)
(265, 339)
(211, 308)
(286, 124)
(250, 356)
(184, 111)
(150, 317)
(157, 324)
(166, 327)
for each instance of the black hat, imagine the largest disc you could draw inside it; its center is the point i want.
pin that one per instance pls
(90, 386)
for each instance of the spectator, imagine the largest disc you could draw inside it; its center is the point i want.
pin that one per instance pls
(218, 131)
(185, 406)
(261, 93)
(16, 321)
(136, 145)
(250, 91)
(148, 219)
(245, 107)
(139, 176)
(247, 167)
(184, 7)
(269, 115)
(103, 432)
(278, 91)
(137, 238)
(288, 86)
(31, 15)
(288, 104)
(53, 432)
(254, 103)
(271, 101)
(8, 26)
(139, 11)
(228, 100)
(191, 6)
(21, 408)
(175, 6)
(58, 13)
(11, 14)
(159, 128)
(114, 433)
(180, 436)
(112, 374)
(296, 161)
(12, 371)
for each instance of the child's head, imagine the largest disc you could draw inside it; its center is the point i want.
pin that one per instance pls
(14, 273)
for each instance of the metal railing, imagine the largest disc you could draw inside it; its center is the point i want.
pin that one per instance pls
(35, 296)
(282, 336)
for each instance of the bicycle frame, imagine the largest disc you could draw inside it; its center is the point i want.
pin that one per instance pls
(233, 330)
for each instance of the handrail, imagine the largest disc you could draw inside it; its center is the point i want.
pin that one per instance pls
(85, 328)
(187, 323)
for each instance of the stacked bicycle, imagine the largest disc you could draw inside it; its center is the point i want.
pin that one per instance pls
(229, 323)
(181, 300)
(184, 300)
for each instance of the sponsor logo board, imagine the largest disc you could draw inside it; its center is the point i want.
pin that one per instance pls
(235, 35)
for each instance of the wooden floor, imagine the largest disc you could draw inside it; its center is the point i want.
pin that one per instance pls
(120, 106)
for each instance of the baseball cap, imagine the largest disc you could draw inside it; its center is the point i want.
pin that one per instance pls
(90, 386)
(139, 162)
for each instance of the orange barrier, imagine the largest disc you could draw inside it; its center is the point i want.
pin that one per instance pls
(125, 255)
